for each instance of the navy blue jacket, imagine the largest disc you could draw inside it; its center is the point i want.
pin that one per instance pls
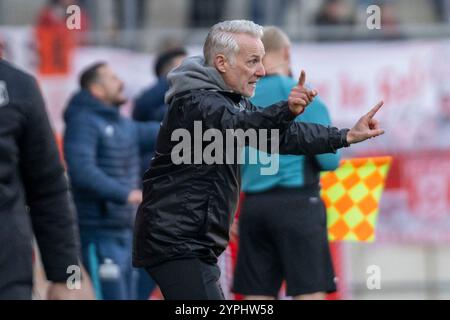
(102, 150)
(150, 106)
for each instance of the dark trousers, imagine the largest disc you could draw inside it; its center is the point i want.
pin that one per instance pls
(187, 279)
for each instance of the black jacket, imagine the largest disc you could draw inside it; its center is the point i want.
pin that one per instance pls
(31, 175)
(187, 209)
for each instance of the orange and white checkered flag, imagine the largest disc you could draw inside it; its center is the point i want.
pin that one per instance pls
(351, 194)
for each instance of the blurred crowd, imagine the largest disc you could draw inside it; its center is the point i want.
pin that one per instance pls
(111, 21)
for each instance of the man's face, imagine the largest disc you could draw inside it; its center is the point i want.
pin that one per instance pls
(177, 61)
(242, 73)
(109, 88)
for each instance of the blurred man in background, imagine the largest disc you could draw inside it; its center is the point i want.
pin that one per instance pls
(55, 40)
(150, 105)
(282, 223)
(102, 151)
(34, 196)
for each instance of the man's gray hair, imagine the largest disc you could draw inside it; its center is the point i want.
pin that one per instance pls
(220, 38)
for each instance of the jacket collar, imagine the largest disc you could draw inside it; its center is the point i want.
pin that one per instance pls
(83, 101)
(235, 97)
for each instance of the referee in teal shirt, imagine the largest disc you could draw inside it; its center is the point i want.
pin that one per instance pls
(282, 224)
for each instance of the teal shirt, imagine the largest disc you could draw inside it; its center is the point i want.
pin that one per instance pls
(270, 90)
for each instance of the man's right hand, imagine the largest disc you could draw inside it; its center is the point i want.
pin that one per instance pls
(300, 96)
(135, 197)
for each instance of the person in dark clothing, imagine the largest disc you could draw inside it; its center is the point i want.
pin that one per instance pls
(188, 206)
(150, 106)
(102, 151)
(34, 193)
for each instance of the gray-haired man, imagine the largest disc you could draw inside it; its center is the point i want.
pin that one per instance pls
(183, 223)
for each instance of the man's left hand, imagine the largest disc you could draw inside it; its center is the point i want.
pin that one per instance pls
(367, 127)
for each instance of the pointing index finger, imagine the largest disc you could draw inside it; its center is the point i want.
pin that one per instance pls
(301, 80)
(375, 109)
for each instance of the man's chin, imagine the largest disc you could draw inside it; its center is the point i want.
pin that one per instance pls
(249, 94)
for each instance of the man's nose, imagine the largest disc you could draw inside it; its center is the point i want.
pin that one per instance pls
(260, 71)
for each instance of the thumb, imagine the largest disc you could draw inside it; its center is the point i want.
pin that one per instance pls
(301, 80)
(375, 133)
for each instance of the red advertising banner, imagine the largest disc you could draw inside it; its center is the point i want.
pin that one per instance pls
(415, 206)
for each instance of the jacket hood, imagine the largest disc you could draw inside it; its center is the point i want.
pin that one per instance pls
(194, 74)
(83, 101)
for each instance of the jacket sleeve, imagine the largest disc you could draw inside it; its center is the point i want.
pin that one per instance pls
(310, 139)
(51, 208)
(80, 149)
(147, 133)
(294, 137)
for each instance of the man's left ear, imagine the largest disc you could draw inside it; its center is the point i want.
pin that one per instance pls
(220, 62)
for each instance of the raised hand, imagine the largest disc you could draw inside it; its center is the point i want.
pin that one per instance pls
(300, 96)
(367, 127)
